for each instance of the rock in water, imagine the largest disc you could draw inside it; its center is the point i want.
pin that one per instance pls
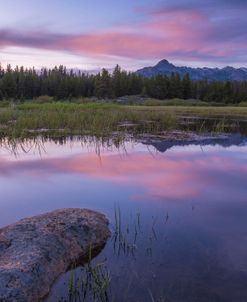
(36, 250)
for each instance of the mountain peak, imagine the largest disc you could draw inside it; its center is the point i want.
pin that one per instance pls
(164, 67)
(164, 62)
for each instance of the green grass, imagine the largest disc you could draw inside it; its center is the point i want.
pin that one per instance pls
(71, 118)
(102, 119)
(231, 111)
(174, 102)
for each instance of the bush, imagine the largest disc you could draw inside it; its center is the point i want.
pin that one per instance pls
(242, 104)
(217, 104)
(4, 104)
(83, 100)
(44, 99)
(175, 102)
(153, 102)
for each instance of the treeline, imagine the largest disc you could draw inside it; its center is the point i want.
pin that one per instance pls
(21, 84)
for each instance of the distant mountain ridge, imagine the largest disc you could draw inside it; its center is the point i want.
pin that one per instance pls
(164, 67)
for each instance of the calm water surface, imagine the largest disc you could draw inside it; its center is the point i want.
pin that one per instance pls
(183, 213)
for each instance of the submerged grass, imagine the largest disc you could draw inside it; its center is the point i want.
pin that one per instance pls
(123, 241)
(94, 281)
(92, 285)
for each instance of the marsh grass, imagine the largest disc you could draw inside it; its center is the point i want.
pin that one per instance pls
(67, 118)
(70, 118)
(123, 241)
(94, 281)
(93, 284)
(174, 102)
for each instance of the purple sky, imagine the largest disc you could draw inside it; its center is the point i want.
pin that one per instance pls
(95, 34)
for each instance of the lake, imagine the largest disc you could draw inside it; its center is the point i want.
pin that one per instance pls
(177, 212)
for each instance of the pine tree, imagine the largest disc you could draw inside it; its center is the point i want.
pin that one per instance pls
(8, 83)
(102, 84)
(186, 86)
(22, 84)
(116, 81)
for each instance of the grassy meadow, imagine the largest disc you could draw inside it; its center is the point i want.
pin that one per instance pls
(91, 118)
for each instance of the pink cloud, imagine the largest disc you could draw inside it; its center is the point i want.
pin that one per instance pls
(182, 33)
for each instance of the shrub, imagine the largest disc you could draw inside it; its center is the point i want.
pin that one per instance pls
(243, 104)
(4, 104)
(83, 100)
(175, 102)
(44, 99)
(153, 102)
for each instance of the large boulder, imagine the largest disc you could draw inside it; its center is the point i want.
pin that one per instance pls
(36, 250)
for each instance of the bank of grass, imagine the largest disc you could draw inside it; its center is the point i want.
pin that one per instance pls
(176, 102)
(71, 118)
(234, 112)
(68, 118)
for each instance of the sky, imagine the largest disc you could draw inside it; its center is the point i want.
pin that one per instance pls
(92, 34)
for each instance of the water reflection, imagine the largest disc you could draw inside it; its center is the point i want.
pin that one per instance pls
(197, 173)
(190, 202)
